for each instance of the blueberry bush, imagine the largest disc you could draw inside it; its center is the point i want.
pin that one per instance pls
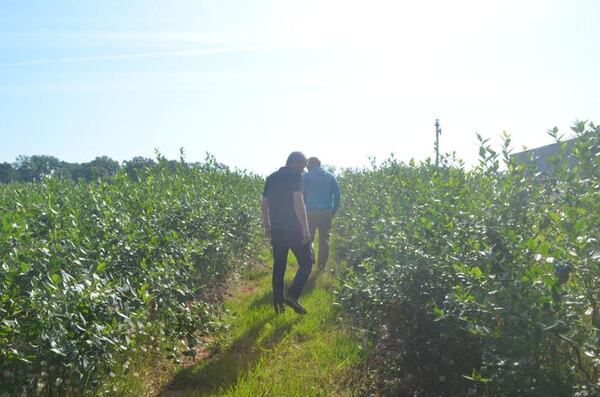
(91, 273)
(481, 281)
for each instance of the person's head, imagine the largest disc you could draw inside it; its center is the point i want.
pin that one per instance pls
(296, 161)
(313, 163)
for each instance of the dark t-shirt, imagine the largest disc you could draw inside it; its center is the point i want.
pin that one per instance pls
(279, 189)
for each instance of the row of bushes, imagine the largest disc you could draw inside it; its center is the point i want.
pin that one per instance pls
(481, 282)
(93, 272)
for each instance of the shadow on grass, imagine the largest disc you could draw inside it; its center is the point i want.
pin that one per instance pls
(278, 334)
(224, 369)
(267, 299)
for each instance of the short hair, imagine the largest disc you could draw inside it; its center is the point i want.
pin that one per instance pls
(295, 157)
(314, 162)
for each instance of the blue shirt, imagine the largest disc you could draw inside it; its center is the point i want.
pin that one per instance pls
(321, 190)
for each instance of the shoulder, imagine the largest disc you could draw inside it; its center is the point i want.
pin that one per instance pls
(274, 175)
(272, 179)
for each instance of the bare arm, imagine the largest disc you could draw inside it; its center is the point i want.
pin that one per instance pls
(265, 216)
(301, 214)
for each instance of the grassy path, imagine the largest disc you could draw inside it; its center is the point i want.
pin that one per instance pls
(263, 354)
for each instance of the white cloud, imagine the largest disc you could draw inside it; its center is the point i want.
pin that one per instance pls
(127, 36)
(137, 55)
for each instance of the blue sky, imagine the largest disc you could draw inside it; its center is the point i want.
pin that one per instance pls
(249, 81)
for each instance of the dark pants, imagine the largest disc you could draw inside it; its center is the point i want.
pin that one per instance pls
(321, 219)
(283, 242)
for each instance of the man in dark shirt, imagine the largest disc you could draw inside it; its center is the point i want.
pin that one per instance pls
(285, 221)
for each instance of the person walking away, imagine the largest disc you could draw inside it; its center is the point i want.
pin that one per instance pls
(285, 222)
(322, 198)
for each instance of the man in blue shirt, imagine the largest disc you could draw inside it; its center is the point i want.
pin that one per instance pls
(322, 199)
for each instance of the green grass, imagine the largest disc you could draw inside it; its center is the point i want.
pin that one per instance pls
(262, 354)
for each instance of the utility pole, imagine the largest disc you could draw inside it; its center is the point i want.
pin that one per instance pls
(438, 132)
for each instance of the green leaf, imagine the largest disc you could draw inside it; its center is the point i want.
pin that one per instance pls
(100, 267)
(58, 351)
(554, 216)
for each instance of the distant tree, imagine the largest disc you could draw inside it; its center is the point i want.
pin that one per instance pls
(35, 168)
(74, 171)
(106, 164)
(23, 170)
(65, 170)
(100, 167)
(136, 165)
(7, 173)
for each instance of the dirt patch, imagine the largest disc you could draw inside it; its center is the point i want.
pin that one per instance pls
(166, 389)
(235, 287)
(247, 289)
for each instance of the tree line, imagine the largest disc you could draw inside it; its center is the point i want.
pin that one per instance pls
(37, 167)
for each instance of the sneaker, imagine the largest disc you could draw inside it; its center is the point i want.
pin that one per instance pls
(294, 304)
(280, 308)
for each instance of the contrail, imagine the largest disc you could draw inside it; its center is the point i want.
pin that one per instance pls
(139, 55)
